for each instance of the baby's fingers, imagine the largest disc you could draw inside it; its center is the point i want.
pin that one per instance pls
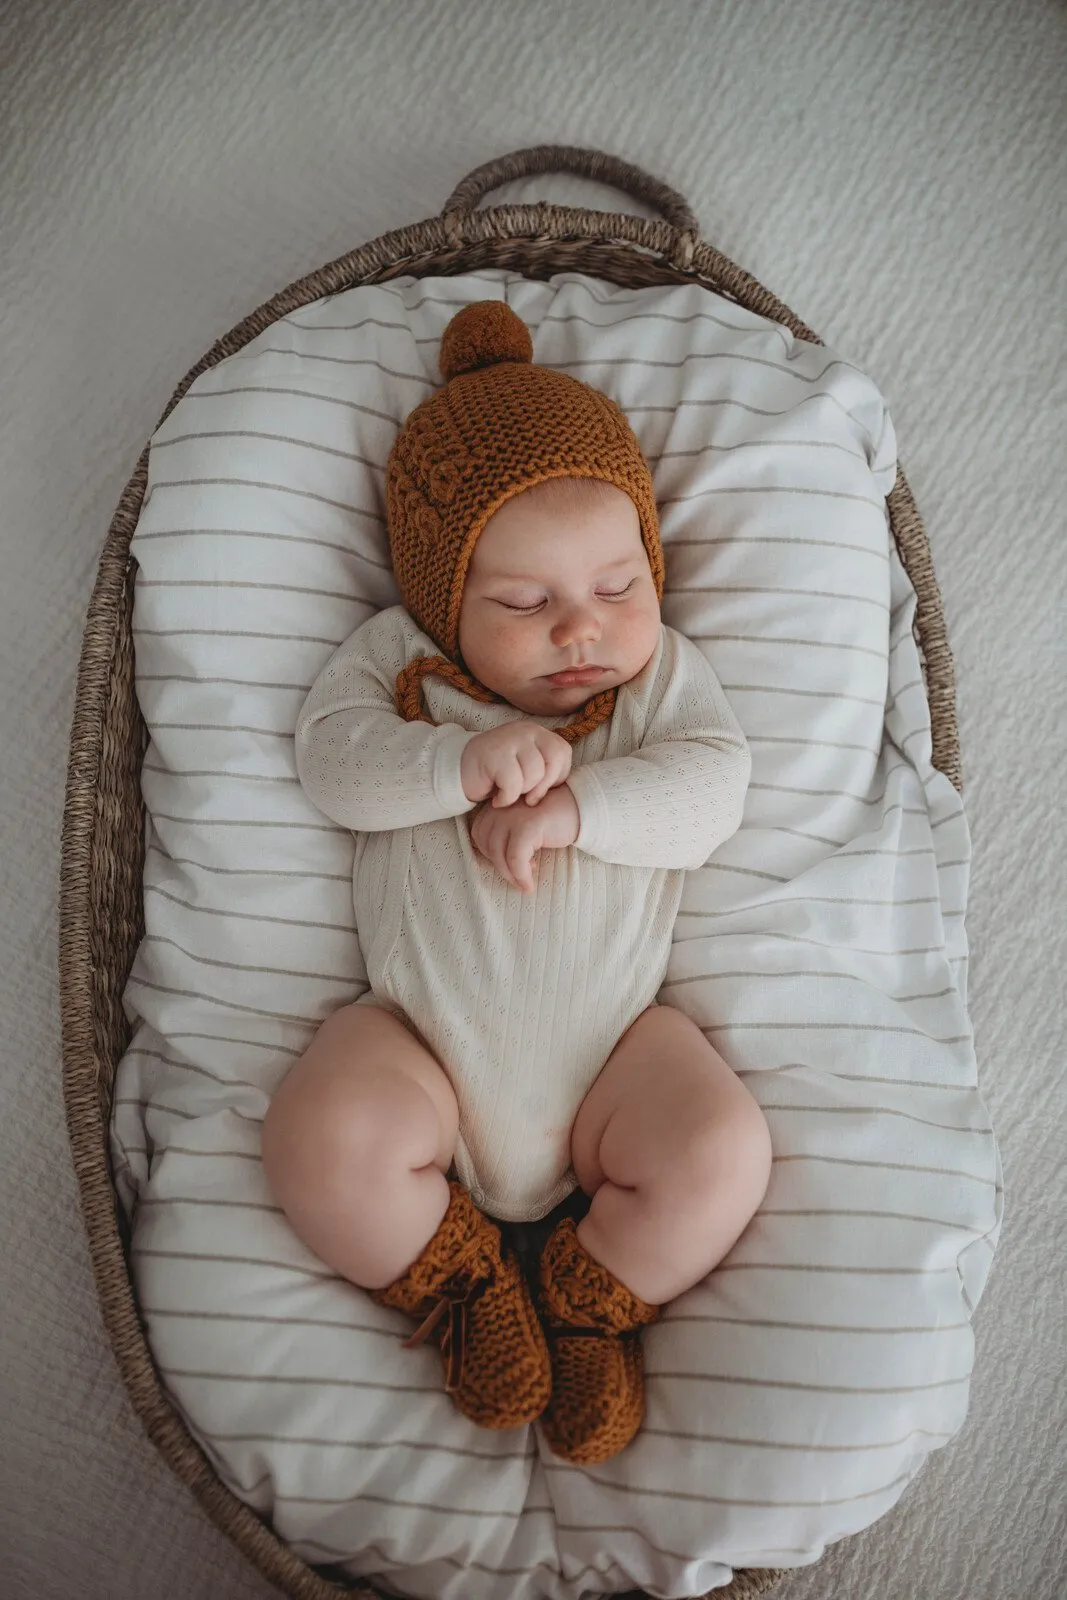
(509, 784)
(521, 865)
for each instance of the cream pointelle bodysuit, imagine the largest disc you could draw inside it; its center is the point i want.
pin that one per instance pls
(520, 997)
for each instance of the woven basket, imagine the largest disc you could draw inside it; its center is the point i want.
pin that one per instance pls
(101, 919)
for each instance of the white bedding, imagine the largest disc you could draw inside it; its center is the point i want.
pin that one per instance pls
(793, 1396)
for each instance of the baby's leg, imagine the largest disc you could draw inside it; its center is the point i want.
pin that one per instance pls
(356, 1144)
(674, 1151)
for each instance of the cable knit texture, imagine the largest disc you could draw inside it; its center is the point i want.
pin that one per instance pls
(501, 424)
(474, 1303)
(521, 997)
(593, 1324)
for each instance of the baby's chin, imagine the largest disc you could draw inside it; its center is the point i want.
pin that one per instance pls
(539, 699)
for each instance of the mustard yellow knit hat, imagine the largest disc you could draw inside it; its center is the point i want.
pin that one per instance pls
(499, 425)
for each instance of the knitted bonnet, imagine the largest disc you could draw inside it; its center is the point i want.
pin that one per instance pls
(499, 425)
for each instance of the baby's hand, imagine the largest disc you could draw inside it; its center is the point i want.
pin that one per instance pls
(519, 758)
(510, 837)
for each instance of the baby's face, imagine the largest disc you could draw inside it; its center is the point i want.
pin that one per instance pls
(559, 602)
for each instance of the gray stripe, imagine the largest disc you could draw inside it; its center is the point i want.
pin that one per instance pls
(838, 1027)
(818, 944)
(943, 866)
(915, 683)
(217, 1000)
(808, 694)
(663, 316)
(725, 1500)
(350, 361)
(208, 1155)
(891, 1166)
(370, 1444)
(849, 977)
(209, 683)
(276, 438)
(672, 543)
(766, 639)
(241, 822)
(819, 1327)
(431, 300)
(201, 1200)
(225, 1038)
(775, 1444)
(799, 833)
(748, 872)
(469, 1564)
(896, 855)
(300, 394)
(677, 1555)
(807, 594)
(952, 816)
(285, 1322)
(881, 1111)
(698, 355)
(809, 1388)
(762, 444)
(409, 1505)
(249, 916)
(275, 488)
(859, 1272)
(145, 1106)
(234, 583)
(346, 327)
(225, 727)
(633, 409)
(186, 1066)
(322, 1273)
(775, 488)
(254, 533)
(826, 899)
(894, 1216)
(250, 872)
(233, 633)
(241, 966)
(215, 772)
(817, 744)
(281, 1378)
(848, 1077)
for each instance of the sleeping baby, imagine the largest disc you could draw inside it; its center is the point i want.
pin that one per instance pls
(530, 762)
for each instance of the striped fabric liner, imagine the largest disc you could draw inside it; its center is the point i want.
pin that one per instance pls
(794, 1395)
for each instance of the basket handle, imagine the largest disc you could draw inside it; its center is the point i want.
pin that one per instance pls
(672, 206)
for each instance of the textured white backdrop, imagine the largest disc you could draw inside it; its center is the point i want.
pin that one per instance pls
(899, 175)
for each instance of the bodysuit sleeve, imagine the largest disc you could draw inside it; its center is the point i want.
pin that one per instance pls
(680, 794)
(358, 760)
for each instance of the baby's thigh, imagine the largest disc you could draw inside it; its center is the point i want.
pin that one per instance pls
(665, 1103)
(366, 1091)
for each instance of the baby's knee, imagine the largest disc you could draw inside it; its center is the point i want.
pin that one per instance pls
(727, 1154)
(325, 1129)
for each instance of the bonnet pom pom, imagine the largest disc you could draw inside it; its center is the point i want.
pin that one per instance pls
(483, 335)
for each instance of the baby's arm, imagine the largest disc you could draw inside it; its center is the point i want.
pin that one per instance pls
(367, 768)
(357, 758)
(681, 794)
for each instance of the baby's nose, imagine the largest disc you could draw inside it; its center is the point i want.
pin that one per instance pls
(577, 625)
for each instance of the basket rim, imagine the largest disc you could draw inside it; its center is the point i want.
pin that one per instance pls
(415, 249)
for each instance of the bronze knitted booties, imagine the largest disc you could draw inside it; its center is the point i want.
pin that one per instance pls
(593, 1323)
(471, 1299)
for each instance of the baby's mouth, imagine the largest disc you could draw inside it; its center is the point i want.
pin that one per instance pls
(572, 677)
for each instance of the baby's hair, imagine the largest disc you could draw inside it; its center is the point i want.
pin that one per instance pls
(574, 491)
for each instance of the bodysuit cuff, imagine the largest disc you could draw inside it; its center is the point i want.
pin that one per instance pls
(594, 821)
(447, 784)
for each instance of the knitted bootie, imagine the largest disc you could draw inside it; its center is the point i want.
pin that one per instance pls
(594, 1326)
(472, 1300)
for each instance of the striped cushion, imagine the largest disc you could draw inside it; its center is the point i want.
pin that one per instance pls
(792, 1396)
